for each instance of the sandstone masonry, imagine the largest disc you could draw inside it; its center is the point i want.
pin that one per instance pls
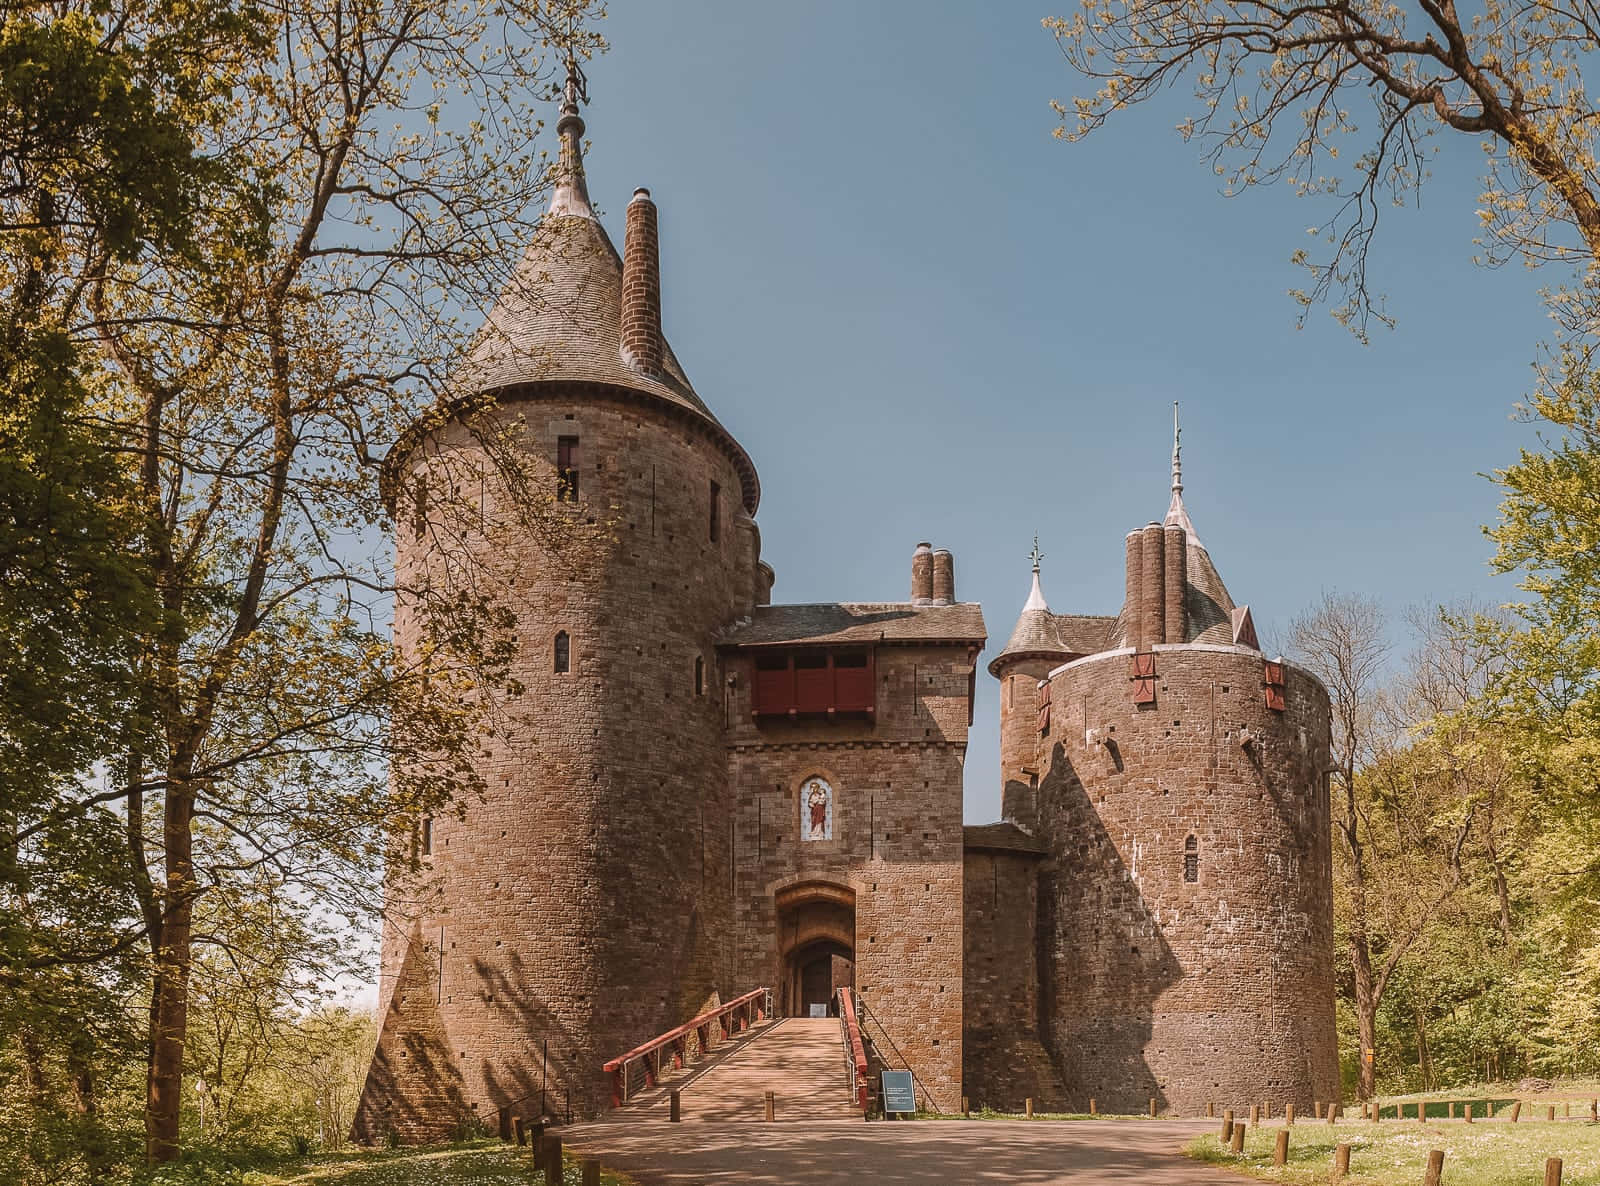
(698, 792)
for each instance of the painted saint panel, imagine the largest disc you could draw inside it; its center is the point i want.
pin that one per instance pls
(816, 809)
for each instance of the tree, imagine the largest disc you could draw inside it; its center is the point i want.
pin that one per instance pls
(390, 148)
(1285, 91)
(100, 113)
(1400, 821)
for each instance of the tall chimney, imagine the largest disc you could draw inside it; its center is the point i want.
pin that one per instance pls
(944, 578)
(1175, 566)
(642, 346)
(922, 575)
(1152, 593)
(1133, 591)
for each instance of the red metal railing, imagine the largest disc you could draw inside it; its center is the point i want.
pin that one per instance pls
(857, 1051)
(729, 1019)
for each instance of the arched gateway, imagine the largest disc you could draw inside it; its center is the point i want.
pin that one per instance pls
(816, 944)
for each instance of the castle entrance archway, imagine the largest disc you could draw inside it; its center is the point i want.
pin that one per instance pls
(816, 945)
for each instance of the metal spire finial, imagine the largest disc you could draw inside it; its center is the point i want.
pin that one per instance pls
(571, 193)
(1177, 465)
(1036, 555)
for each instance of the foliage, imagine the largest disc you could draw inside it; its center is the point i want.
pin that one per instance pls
(1339, 99)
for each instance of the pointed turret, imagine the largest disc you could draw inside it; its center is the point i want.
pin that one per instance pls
(572, 313)
(1036, 635)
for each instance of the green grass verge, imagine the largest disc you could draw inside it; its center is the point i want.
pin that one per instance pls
(1396, 1154)
(477, 1163)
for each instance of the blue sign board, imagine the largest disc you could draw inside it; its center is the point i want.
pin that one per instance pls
(899, 1093)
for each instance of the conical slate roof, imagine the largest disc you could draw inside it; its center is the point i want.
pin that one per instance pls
(1040, 634)
(560, 318)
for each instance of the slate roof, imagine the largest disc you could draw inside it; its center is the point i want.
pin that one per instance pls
(838, 622)
(1002, 837)
(1043, 633)
(559, 319)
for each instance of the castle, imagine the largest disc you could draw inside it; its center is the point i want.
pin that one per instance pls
(723, 793)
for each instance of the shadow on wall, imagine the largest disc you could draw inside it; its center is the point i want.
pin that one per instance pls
(413, 1092)
(1103, 960)
(552, 1067)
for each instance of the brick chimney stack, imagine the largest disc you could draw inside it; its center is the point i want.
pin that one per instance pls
(642, 345)
(944, 578)
(922, 574)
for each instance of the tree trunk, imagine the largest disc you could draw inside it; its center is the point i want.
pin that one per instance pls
(1366, 1017)
(170, 1004)
(86, 1096)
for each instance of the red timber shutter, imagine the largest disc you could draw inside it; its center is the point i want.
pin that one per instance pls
(1142, 671)
(1044, 707)
(1272, 676)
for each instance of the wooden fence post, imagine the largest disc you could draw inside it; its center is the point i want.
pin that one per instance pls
(966, 1108)
(1450, 1110)
(1341, 1161)
(1238, 1138)
(1152, 1107)
(1227, 1126)
(1255, 1115)
(674, 1108)
(1280, 1155)
(1094, 1109)
(771, 1100)
(552, 1160)
(1435, 1168)
(1469, 1112)
(1550, 1112)
(1552, 1171)
(1211, 1109)
(1422, 1111)
(1027, 1107)
(1288, 1114)
(1516, 1111)
(591, 1172)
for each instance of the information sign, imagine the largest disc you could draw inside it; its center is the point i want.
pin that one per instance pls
(899, 1093)
(819, 1010)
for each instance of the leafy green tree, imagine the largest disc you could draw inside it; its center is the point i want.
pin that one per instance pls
(394, 175)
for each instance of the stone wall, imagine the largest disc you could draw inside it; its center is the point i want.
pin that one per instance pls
(1219, 989)
(896, 848)
(582, 907)
(1003, 1061)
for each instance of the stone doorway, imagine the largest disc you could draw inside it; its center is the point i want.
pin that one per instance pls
(816, 945)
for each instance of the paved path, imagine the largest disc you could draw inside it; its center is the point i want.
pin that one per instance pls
(905, 1153)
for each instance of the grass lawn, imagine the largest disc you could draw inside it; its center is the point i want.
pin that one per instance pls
(480, 1163)
(1395, 1153)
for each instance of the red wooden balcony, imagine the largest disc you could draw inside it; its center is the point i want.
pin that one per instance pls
(814, 682)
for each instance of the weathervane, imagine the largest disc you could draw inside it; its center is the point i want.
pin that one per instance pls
(1036, 555)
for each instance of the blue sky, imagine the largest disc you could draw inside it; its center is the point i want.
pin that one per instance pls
(925, 318)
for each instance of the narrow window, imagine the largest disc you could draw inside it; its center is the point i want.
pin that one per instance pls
(699, 676)
(427, 836)
(1191, 860)
(567, 469)
(716, 512)
(419, 508)
(563, 653)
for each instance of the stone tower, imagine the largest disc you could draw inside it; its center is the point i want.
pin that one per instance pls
(1185, 930)
(584, 904)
